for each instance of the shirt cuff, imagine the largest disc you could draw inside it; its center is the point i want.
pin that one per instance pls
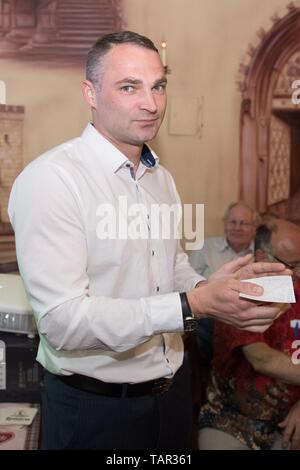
(166, 313)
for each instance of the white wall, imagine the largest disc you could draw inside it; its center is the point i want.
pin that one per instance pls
(51, 93)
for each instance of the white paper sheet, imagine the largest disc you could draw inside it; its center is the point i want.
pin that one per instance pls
(276, 289)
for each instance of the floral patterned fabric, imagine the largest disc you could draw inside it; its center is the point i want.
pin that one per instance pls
(240, 401)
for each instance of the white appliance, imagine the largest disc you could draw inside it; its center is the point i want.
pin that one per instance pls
(16, 315)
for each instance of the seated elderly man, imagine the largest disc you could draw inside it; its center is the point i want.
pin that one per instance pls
(240, 222)
(254, 389)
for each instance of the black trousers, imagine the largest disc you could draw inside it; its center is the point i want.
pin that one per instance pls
(74, 419)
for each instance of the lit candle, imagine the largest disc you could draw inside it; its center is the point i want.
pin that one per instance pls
(164, 53)
(2, 92)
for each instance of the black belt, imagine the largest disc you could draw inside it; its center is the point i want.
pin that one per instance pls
(91, 385)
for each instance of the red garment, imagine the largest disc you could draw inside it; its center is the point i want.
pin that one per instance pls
(256, 396)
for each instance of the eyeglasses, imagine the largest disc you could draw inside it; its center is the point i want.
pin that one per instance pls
(292, 265)
(239, 223)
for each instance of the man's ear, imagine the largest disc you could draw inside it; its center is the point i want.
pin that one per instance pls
(89, 93)
(260, 255)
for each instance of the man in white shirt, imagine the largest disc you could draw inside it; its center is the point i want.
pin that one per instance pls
(111, 307)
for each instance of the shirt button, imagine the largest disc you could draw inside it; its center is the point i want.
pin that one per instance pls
(153, 252)
(157, 289)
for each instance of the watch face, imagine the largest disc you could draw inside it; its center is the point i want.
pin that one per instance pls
(190, 324)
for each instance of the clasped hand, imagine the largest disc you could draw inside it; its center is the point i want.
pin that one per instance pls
(218, 297)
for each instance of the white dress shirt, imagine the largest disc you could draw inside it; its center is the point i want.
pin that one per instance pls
(215, 252)
(105, 308)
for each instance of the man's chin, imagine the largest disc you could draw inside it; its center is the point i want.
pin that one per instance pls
(147, 132)
(146, 137)
(237, 240)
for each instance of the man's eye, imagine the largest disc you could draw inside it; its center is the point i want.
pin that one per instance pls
(160, 88)
(127, 88)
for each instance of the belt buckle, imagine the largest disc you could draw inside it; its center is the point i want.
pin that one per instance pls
(160, 386)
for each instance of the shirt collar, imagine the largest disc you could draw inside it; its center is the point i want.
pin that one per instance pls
(116, 158)
(148, 157)
(224, 245)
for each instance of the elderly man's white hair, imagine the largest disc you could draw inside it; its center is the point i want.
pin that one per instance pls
(256, 216)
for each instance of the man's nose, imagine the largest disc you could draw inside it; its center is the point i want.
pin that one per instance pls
(239, 225)
(148, 102)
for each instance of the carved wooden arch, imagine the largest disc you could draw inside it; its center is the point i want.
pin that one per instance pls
(260, 77)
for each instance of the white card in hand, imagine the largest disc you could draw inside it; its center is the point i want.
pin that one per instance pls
(276, 289)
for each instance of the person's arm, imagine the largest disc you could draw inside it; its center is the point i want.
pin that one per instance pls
(185, 275)
(47, 215)
(268, 361)
(219, 297)
(291, 428)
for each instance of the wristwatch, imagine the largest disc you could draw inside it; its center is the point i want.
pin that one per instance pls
(189, 320)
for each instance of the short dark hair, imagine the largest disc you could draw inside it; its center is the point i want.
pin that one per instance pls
(105, 43)
(263, 237)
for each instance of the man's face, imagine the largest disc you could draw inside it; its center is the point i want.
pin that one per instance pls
(239, 227)
(130, 100)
